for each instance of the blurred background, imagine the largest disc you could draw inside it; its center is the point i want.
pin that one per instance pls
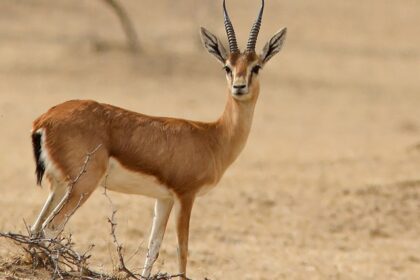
(328, 186)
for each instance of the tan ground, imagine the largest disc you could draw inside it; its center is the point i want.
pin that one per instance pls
(327, 187)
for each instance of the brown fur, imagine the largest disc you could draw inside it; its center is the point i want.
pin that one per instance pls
(182, 155)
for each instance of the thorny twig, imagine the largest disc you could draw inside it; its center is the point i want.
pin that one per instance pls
(58, 255)
(57, 252)
(66, 197)
(54, 254)
(119, 247)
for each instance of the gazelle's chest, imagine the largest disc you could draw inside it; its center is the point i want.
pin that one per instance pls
(121, 179)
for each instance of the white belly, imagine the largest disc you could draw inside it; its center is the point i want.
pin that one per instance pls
(120, 179)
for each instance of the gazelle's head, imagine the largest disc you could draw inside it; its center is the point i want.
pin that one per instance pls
(242, 68)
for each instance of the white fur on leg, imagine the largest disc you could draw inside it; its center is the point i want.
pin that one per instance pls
(56, 209)
(36, 227)
(163, 208)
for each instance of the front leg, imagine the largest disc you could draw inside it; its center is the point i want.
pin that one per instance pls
(163, 208)
(184, 207)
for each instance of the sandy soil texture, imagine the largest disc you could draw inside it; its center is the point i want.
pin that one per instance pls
(328, 186)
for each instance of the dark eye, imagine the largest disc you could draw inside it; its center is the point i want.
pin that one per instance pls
(227, 69)
(256, 69)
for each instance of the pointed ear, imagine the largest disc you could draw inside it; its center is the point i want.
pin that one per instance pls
(213, 45)
(273, 46)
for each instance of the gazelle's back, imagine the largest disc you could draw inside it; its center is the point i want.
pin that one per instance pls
(140, 143)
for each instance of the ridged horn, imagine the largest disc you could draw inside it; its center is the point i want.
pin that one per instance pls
(233, 45)
(252, 41)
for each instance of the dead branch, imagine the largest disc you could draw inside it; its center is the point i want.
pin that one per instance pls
(111, 220)
(55, 254)
(66, 197)
(58, 255)
(121, 266)
(127, 25)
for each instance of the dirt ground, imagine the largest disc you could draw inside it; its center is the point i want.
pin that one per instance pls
(328, 186)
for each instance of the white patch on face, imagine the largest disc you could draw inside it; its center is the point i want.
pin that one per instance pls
(242, 97)
(240, 85)
(121, 179)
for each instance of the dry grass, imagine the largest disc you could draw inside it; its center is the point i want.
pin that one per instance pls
(56, 258)
(326, 187)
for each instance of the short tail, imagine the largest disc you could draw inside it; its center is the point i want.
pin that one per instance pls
(40, 166)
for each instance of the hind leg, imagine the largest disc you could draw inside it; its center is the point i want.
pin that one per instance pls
(57, 191)
(36, 227)
(74, 196)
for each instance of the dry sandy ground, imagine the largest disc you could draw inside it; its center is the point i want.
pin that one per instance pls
(328, 186)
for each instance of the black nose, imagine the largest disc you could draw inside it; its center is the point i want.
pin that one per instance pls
(239, 86)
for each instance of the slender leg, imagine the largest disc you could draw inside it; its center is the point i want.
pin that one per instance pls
(66, 195)
(182, 226)
(163, 208)
(73, 197)
(70, 202)
(37, 225)
(51, 230)
(55, 196)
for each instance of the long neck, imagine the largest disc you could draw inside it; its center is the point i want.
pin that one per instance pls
(234, 126)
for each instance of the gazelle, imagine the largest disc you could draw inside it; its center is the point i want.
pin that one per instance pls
(172, 160)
